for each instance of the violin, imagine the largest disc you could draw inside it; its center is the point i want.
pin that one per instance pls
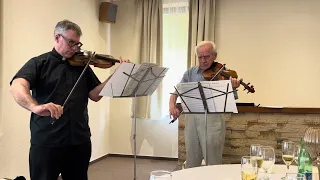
(217, 71)
(81, 58)
(86, 58)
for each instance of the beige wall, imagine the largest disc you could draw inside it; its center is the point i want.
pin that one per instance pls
(1, 59)
(27, 32)
(275, 46)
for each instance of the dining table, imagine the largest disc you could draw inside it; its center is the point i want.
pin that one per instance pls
(233, 172)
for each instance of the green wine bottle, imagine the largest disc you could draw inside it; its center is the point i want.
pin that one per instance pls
(304, 161)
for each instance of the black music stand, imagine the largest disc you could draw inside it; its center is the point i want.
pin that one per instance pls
(207, 97)
(132, 81)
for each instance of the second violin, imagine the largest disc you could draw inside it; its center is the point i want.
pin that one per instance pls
(217, 71)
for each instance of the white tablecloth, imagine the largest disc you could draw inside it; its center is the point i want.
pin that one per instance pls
(228, 172)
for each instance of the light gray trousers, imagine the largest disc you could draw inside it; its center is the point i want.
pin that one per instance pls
(195, 140)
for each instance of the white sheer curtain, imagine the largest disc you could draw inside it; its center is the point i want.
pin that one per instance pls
(175, 6)
(175, 41)
(148, 39)
(201, 25)
(149, 44)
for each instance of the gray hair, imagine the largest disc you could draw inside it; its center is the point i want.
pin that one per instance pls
(202, 43)
(65, 25)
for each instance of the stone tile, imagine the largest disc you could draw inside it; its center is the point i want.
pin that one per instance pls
(237, 142)
(235, 126)
(302, 119)
(262, 127)
(269, 129)
(273, 118)
(234, 134)
(236, 151)
(244, 118)
(292, 128)
(252, 134)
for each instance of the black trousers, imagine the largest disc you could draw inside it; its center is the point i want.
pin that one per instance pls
(46, 163)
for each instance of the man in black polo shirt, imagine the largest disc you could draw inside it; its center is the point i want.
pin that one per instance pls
(63, 146)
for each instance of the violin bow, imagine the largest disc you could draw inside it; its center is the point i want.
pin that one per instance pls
(218, 72)
(77, 81)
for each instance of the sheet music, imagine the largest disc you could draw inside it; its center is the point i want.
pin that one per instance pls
(152, 80)
(192, 97)
(127, 77)
(215, 93)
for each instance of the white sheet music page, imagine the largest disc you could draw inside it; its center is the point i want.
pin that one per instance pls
(149, 75)
(223, 96)
(152, 80)
(127, 77)
(216, 95)
(119, 81)
(190, 97)
(136, 77)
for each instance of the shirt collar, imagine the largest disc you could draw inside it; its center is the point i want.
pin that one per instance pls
(198, 70)
(57, 55)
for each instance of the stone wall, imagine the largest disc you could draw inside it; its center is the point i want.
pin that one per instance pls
(244, 129)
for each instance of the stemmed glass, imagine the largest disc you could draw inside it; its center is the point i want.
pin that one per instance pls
(254, 153)
(254, 148)
(160, 175)
(268, 156)
(288, 152)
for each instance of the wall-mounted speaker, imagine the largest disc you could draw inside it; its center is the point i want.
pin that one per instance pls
(108, 12)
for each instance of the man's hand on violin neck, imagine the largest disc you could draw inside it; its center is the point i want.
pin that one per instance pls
(49, 109)
(124, 60)
(235, 82)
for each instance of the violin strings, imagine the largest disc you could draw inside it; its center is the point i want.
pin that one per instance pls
(217, 72)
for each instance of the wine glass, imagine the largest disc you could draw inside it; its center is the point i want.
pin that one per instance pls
(160, 175)
(249, 169)
(288, 152)
(254, 151)
(268, 157)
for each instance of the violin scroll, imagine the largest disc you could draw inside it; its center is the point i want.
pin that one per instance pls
(247, 87)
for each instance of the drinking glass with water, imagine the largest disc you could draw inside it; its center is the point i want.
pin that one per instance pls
(249, 168)
(160, 175)
(295, 176)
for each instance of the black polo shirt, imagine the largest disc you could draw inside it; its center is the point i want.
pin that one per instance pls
(51, 79)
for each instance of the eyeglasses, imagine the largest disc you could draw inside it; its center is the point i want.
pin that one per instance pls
(71, 43)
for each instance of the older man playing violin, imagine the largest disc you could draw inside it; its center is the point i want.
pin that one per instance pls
(195, 140)
(65, 145)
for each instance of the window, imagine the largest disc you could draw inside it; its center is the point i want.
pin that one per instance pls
(175, 44)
